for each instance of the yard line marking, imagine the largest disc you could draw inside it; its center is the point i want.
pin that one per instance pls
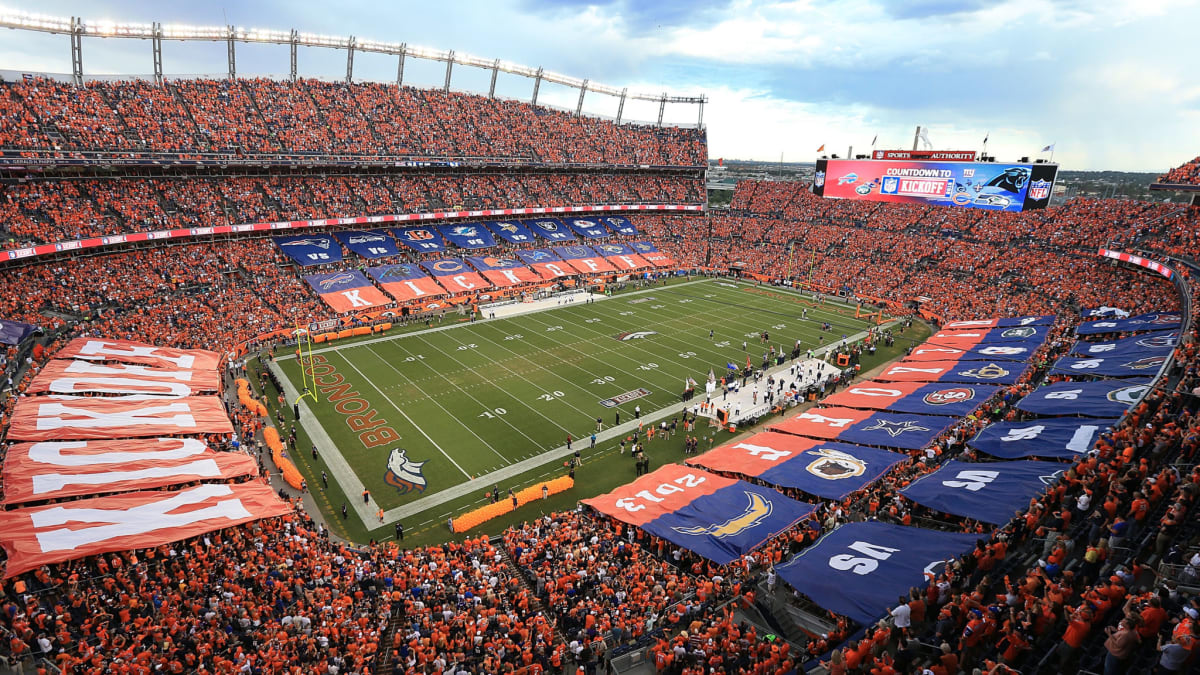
(472, 431)
(514, 398)
(405, 415)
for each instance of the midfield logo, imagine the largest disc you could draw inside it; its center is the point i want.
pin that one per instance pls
(624, 337)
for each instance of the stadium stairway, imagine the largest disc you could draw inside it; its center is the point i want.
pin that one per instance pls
(535, 603)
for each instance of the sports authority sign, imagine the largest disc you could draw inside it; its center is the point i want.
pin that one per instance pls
(938, 155)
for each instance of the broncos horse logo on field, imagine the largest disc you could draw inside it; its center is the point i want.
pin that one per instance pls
(403, 473)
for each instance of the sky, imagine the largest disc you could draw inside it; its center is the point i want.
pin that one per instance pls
(1112, 85)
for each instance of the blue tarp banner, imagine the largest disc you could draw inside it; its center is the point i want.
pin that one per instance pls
(990, 492)
(621, 225)
(1154, 321)
(1089, 399)
(996, 371)
(13, 332)
(613, 249)
(867, 427)
(1008, 322)
(474, 235)
(420, 239)
(512, 231)
(822, 468)
(1005, 351)
(1056, 437)
(977, 336)
(551, 229)
(588, 227)
(310, 249)
(956, 400)
(644, 247)
(1110, 366)
(368, 243)
(718, 518)
(1148, 344)
(861, 570)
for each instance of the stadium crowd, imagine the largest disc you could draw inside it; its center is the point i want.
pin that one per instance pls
(43, 211)
(1184, 174)
(193, 117)
(1099, 573)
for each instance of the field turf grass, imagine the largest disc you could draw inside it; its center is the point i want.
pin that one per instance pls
(478, 396)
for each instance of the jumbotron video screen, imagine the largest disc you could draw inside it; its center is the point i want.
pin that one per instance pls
(976, 185)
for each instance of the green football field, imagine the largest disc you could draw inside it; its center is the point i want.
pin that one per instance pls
(466, 399)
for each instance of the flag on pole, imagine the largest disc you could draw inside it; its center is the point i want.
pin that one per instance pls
(748, 364)
(874, 139)
(1048, 148)
(711, 376)
(822, 148)
(985, 137)
(730, 365)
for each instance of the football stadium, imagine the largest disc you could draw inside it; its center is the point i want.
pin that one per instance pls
(324, 374)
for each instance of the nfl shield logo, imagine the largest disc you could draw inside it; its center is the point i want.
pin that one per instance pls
(1039, 189)
(819, 179)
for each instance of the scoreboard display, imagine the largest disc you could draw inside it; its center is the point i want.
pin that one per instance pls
(976, 185)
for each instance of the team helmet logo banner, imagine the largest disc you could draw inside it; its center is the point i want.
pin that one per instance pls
(758, 510)
(945, 396)
(834, 465)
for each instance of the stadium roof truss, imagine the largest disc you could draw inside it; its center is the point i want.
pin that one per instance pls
(78, 28)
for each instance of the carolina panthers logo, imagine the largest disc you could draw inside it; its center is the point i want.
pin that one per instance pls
(1127, 395)
(989, 372)
(315, 243)
(834, 465)
(336, 280)
(953, 395)
(1146, 363)
(399, 272)
(1012, 180)
(1022, 332)
(501, 263)
(894, 429)
(758, 510)
(404, 474)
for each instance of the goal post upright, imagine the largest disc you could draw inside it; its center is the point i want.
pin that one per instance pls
(303, 340)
